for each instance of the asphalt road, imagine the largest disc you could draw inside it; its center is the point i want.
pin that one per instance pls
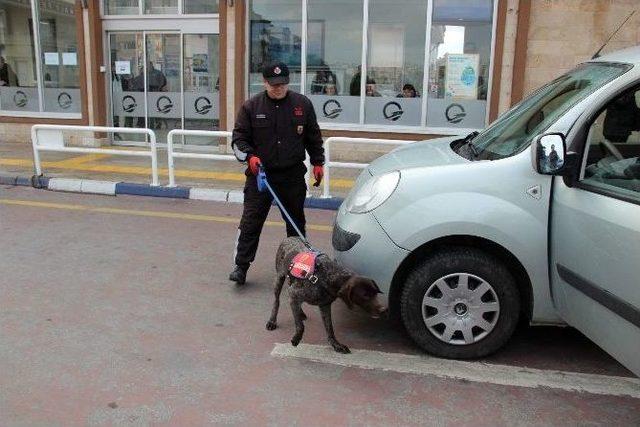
(118, 311)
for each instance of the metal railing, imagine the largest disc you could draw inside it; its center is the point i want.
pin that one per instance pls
(328, 164)
(171, 155)
(50, 138)
(53, 140)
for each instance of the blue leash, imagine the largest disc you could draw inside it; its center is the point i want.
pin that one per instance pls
(262, 184)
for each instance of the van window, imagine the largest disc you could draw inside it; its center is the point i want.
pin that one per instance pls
(612, 157)
(514, 131)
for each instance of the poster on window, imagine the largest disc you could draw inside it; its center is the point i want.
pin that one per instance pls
(461, 75)
(200, 63)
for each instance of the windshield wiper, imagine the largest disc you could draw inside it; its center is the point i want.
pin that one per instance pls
(468, 141)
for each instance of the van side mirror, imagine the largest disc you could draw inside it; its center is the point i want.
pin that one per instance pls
(548, 154)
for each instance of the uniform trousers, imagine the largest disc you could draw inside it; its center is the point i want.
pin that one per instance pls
(291, 191)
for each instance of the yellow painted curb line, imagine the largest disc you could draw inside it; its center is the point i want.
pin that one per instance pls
(80, 164)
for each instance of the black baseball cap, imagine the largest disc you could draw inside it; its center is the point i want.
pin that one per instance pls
(276, 73)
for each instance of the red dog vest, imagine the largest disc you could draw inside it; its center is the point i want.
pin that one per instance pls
(303, 265)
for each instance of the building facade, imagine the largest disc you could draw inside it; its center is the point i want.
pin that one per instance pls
(432, 67)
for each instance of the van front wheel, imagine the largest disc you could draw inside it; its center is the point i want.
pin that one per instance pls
(460, 303)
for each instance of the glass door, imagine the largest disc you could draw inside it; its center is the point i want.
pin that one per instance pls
(128, 105)
(201, 85)
(163, 81)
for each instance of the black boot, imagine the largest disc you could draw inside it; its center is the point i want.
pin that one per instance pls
(239, 275)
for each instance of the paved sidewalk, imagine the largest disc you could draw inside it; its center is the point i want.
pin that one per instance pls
(17, 159)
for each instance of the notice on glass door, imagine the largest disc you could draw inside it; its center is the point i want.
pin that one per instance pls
(123, 67)
(69, 58)
(51, 58)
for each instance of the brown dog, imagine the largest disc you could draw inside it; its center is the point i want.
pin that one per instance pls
(333, 282)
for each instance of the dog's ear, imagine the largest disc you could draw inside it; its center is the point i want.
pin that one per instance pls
(375, 285)
(346, 290)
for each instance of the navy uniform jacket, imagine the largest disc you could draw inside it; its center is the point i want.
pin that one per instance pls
(278, 131)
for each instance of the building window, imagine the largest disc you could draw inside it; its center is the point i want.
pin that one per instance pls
(121, 7)
(160, 7)
(201, 6)
(59, 57)
(275, 34)
(420, 72)
(334, 54)
(395, 62)
(459, 60)
(39, 65)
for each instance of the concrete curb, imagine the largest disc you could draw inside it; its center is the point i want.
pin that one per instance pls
(114, 188)
(149, 190)
(41, 181)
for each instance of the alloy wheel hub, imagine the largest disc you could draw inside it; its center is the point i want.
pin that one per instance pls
(460, 308)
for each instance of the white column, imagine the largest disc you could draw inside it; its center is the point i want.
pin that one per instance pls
(363, 67)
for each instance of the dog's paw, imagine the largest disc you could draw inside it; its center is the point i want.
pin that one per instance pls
(341, 348)
(295, 341)
(271, 325)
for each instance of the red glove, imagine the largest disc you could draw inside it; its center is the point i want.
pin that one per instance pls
(254, 162)
(318, 173)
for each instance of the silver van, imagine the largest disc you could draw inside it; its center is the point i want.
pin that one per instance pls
(536, 218)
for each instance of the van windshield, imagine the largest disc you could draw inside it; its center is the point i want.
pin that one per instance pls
(513, 132)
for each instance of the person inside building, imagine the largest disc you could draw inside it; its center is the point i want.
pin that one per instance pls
(324, 76)
(408, 91)
(354, 86)
(370, 88)
(7, 76)
(272, 130)
(156, 82)
(330, 89)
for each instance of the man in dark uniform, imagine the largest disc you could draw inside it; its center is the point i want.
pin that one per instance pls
(273, 129)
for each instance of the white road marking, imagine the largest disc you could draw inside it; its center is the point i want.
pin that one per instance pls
(462, 370)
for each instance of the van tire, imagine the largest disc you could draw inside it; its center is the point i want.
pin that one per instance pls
(451, 262)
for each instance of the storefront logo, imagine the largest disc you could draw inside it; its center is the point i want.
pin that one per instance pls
(129, 104)
(202, 105)
(455, 113)
(164, 104)
(20, 99)
(392, 111)
(64, 100)
(331, 109)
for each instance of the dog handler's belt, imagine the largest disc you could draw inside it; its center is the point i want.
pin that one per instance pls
(303, 265)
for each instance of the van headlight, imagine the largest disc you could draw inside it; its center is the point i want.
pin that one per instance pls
(373, 193)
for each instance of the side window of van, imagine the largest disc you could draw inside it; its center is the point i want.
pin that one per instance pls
(613, 148)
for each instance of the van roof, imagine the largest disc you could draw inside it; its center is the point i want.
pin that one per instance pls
(630, 55)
